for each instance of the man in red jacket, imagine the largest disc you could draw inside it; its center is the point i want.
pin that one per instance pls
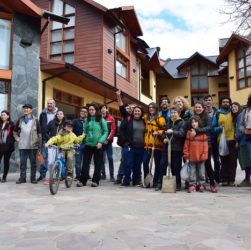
(108, 143)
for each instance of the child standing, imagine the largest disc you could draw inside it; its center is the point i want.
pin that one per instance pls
(196, 152)
(66, 138)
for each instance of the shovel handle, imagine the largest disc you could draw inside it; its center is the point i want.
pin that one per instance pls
(152, 154)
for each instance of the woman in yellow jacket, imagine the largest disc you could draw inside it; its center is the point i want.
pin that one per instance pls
(155, 126)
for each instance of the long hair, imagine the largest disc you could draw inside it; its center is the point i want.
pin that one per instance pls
(98, 113)
(56, 118)
(184, 101)
(249, 102)
(7, 113)
(153, 104)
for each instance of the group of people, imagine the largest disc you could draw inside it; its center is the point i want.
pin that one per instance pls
(190, 135)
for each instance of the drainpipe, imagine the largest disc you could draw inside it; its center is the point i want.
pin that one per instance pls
(44, 84)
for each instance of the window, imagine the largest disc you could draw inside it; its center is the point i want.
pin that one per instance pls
(145, 84)
(70, 104)
(244, 67)
(4, 95)
(62, 35)
(5, 42)
(122, 54)
(199, 81)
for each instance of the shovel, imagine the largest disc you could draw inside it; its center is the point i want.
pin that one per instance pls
(169, 182)
(148, 181)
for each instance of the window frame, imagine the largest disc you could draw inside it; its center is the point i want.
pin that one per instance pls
(244, 67)
(63, 29)
(8, 81)
(123, 57)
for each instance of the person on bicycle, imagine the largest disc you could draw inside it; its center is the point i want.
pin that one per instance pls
(65, 139)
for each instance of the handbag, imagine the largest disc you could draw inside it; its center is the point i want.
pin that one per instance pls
(223, 147)
(184, 172)
(40, 158)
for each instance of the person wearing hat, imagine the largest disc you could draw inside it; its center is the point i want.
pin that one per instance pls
(28, 136)
(64, 139)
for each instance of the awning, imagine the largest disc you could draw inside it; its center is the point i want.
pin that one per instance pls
(83, 79)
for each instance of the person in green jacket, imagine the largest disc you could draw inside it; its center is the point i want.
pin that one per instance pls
(96, 131)
(66, 138)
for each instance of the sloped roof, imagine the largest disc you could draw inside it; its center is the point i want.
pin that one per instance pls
(232, 43)
(194, 57)
(171, 68)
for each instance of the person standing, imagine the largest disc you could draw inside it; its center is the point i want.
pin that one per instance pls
(78, 128)
(96, 132)
(7, 141)
(107, 147)
(208, 102)
(47, 115)
(165, 113)
(223, 118)
(196, 153)
(28, 135)
(155, 127)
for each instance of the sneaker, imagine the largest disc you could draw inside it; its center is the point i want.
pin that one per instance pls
(122, 185)
(69, 178)
(213, 189)
(40, 178)
(158, 187)
(202, 188)
(244, 183)
(46, 181)
(34, 181)
(21, 180)
(231, 184)
(191, 189)
(112, 179)
(117, 182)
(79, 184)
(94, 184)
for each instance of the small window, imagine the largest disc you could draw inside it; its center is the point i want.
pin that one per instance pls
(4, 95)
(244, 67)
(62, 35)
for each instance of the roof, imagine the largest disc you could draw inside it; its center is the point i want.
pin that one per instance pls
(28, 8)
(130, 19)
(194, 57)
(233, 42)
(173, 67)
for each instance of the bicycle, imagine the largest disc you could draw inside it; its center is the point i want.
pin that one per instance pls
(59, 170)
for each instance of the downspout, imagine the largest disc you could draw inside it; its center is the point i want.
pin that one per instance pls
(44, 84)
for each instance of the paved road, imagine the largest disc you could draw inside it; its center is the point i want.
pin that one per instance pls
(109, 217)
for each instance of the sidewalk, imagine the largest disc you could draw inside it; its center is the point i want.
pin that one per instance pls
(109, 217)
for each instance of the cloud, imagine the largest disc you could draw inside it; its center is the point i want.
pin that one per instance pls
(178, 27)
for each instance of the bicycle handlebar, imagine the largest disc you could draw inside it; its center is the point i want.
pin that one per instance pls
(65, 148)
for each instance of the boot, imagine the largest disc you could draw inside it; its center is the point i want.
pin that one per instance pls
(21, 180)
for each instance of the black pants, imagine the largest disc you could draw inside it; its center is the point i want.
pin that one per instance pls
(6, 155)
(209, 168)
(229, 164)
(98, 157)
(176, 163)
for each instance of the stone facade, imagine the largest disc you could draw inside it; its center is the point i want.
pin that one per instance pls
(25, 64)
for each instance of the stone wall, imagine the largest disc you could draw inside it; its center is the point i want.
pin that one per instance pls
(25, 64)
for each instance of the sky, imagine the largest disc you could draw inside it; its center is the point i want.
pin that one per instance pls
(179, 27)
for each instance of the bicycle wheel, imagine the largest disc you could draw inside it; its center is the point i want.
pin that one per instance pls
(55, 177)
(68, 181)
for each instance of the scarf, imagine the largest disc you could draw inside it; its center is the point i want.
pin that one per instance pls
(4, 133)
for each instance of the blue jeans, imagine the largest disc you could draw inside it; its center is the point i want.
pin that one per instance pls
(24, 155)
(216, 158)
(108, 149)
(122, 165)
(157, 161)
(134, 159)
(44, 167)
(79, 157)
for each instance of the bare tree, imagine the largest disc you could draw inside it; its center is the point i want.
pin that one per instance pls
(239, 12)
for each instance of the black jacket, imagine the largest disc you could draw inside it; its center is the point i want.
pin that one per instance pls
(53, 128)
(10, 140)
(179, 134)
(78, 127)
